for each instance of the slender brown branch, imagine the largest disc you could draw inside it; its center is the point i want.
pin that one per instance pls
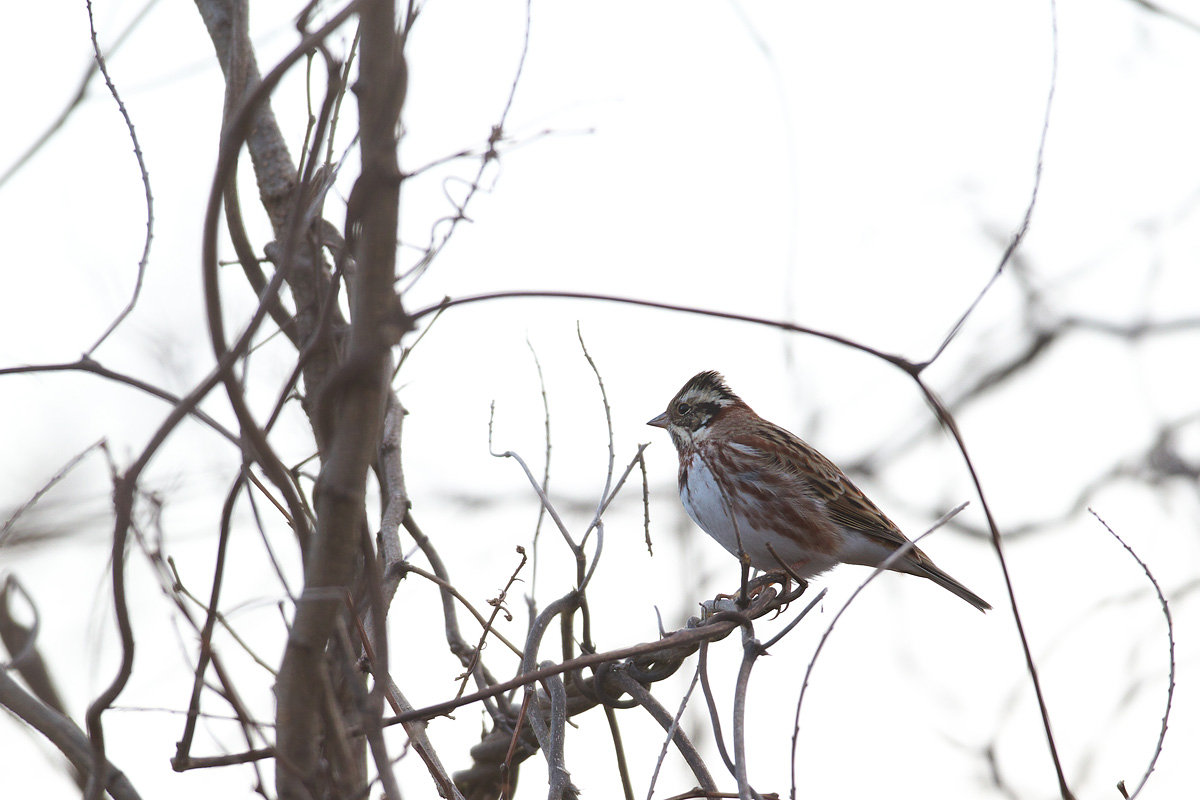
(95, 368)
(184, 745)
(675, 734)
(9, 524)
(997, 545)
(76, 99)
(451, 302)
(1162, 602)
(497, 606)
(684, 640)
(145, 175)
(208, 762)
(65, 735)
(1027, 220)
(454, 638)
(898, 554)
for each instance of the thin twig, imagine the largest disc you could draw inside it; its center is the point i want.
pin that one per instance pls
(714, 715)
(685, 639)
(1019, 236)
(77, 98)
(93, 367)
(451, 302)
(497, 607)
(612, 453)
(1162, 602)
(454, 638)
(537, 528)
(562, 526)
(672, 729)
(178, 587)
(610, 716)
(75, 461)
(998, 548)
(495, 136)
(898, 554)
(184, 745)
(670, 724)
(137, 152)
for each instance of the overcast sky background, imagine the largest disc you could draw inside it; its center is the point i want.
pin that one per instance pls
(855, 167)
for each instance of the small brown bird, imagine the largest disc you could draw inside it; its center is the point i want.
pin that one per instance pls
(789, 503)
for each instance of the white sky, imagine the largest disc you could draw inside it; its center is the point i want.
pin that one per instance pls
(857, 166)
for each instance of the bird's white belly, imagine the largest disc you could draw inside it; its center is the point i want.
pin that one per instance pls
(709, 507)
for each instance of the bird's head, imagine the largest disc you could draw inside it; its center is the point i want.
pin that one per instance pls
(693, 409)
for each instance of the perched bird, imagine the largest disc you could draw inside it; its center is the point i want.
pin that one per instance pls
(743, 478)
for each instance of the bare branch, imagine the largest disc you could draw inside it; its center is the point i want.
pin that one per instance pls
(944, 415)
(895, 360)
(674, 647)
(395, 508)
(76, 99)
(7, 528)
(137, 152)
(497, 606)
(537, 529)
(562, 526)
(1019, 236)
(64, 735)
(95, 368)
(355, 396)
(491, 154)
(898, 554)
(1162, 602)
(670, 724)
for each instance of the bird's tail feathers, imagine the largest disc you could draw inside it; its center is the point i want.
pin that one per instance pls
(939, 577)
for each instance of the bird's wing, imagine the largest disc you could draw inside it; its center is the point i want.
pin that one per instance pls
(778, 451)
(817, 476)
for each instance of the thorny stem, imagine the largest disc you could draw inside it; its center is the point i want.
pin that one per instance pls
(137, 152)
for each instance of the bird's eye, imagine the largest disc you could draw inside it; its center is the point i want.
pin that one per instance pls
(683, 409)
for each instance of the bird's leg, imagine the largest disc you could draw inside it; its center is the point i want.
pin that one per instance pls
(744, 596)
(786, 575)
(790, 594)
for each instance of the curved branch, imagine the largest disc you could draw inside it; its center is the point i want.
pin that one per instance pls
(1162, 602)
(94, 367)
(450, 302)
(898, 554)
(948, 420)
(65, 735)
(670, 724)
(137, 152)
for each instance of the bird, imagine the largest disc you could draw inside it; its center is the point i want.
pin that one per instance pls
(762, 491)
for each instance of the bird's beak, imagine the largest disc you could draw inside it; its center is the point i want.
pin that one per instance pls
(660, 421)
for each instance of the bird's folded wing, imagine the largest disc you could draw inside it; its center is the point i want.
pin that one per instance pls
(784, 452)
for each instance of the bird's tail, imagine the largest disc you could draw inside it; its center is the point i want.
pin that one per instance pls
(934, 573)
